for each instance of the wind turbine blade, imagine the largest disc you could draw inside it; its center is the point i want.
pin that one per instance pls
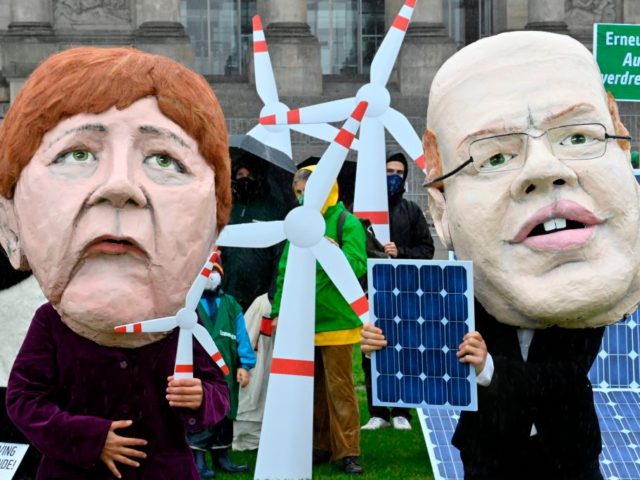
(210, 347)
(252, 235)
(184, 355)
(265, 81)
(286, 437)
(400, 128)
(156, 325)
(337, 267)
(387, 53)
(195, 292)
(322, 131)
(334, 111)
(320, 182)
(279, 140)
(370, 197)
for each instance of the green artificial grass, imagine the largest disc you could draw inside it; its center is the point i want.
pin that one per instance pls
(385, 453)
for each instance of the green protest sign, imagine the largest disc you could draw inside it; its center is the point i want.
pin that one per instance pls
(616, 48)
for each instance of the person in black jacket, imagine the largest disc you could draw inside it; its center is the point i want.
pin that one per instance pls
(251, 271)
(410, 238)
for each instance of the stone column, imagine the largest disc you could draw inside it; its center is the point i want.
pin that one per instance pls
(631, 12)
(547, 15)
(159, 30)
(294, 51)
(30, 17)
(426, 46)
(28, 42)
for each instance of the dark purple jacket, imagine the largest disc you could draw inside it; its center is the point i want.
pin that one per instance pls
(65, 390)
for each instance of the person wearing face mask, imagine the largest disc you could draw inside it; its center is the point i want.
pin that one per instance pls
(410, 238)
(222, 317)
(251, 271)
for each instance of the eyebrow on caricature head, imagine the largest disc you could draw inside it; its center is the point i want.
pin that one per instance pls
(582, 107)
(553, 117)
(88, 127)
(163, 132)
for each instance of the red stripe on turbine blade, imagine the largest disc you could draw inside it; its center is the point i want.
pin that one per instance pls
(184, 368)
(410, 3)
(225, 370)
(121, 329)
(421, 162)
(286, 366)
(216, 357)
(259, 46)
(205, 272)
(268, 120)
(137, 327)
(344, 138)
(215, 256)
(257, 22)
(376, 218)
(293, 116)
(358, 113)
(401, 23)
(360, 306)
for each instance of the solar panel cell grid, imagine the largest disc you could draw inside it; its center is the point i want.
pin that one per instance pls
(424, 308)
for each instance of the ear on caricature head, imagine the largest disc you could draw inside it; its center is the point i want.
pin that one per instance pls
(437, 202)
(9, 236)
(620, 129)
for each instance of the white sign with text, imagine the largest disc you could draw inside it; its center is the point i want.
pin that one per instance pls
(11, 454)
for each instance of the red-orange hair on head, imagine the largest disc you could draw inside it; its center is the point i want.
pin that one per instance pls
(92, 80)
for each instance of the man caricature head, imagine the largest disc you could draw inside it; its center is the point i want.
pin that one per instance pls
(548, 208)
(114, 181)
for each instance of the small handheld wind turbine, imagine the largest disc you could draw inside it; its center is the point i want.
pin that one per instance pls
(187, 321)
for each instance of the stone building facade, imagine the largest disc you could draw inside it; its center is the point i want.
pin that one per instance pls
(320, 49)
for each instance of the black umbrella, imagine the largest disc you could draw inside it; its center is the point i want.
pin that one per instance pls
(259, 149)
(267, 162)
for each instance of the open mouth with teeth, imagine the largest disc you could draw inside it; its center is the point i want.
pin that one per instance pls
(562, 225)
(555, 225)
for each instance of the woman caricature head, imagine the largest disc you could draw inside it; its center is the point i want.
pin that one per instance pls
(114, 181)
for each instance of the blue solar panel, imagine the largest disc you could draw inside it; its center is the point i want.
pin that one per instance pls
(615, 377)
(424, 308)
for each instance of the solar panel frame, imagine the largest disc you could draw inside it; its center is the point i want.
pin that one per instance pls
(424, 307)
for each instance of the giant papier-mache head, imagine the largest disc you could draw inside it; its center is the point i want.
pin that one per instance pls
(114, 181)
(548, 207)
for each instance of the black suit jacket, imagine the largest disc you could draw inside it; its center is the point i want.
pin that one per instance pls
(550, 390)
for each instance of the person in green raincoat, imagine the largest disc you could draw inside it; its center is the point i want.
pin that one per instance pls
(222, 317)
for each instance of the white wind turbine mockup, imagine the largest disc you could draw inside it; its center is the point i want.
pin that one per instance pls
(285, 449)
(278, 136)
(187, 321)
(371, 169)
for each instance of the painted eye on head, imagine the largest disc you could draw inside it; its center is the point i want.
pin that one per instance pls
(496, 161)
(75, 157)
(577, 139)
(161, 161)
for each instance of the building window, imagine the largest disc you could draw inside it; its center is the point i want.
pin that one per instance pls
(349, 32)
(220, 31)
(468, 20)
